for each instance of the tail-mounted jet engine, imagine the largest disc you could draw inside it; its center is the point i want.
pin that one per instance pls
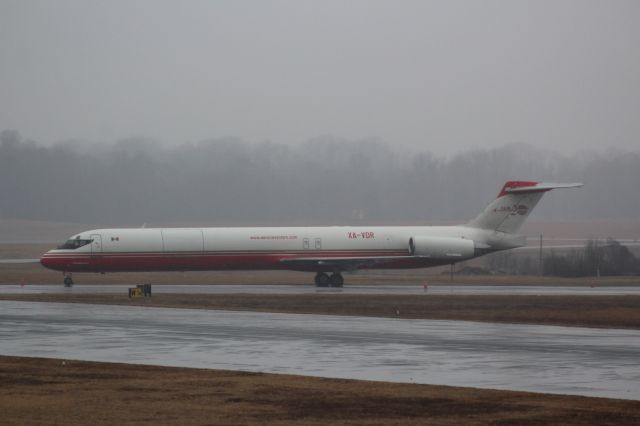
(443, 248)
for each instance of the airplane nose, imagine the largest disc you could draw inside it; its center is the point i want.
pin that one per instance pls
(44, 261)
(49, 261)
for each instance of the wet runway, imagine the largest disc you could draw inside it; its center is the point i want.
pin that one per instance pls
(310, 289)
(18, 261)
(567, 360)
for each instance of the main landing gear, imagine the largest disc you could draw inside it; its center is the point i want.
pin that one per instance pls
(324, 280)
(68, 281)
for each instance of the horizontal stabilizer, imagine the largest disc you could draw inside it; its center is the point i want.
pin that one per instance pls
(540, 187)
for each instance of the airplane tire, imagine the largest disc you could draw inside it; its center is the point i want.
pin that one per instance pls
(336, 280)
(68, 282)
(322, 279)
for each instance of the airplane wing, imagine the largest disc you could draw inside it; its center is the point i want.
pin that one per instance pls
(343, 263)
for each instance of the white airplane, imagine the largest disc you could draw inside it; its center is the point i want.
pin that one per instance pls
(327, 251)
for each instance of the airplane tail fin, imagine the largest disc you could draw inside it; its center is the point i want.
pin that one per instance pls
(514, 203)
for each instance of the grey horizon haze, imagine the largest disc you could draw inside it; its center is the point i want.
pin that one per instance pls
(433, 76)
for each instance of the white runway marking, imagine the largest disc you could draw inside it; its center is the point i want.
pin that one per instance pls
(567, 360)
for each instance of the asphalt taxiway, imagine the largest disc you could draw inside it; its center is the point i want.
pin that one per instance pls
(309, 289)
(566, 360)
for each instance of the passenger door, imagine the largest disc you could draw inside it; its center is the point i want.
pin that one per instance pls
(96, 243)
(96, 251)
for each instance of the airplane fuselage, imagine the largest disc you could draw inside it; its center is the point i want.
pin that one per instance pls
(181, 249)
(331, 249)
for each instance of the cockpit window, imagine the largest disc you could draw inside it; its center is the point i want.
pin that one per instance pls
(74, 244)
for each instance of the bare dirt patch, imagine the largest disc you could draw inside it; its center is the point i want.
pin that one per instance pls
(53, 391)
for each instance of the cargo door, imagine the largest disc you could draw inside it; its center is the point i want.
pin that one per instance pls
(183, 249)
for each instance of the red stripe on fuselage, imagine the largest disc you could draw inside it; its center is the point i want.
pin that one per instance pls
(205, 261)
(306, 253)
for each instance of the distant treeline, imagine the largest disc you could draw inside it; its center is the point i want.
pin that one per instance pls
(607, 258)
(324, 181)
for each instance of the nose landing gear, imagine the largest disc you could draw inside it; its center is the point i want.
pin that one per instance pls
(324, 280)
(68, 281)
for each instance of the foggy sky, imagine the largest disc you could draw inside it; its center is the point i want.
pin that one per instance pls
(327, 181)
(438, 76)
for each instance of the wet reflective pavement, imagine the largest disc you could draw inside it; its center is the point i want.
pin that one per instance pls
(308, 289)
(567, 360)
